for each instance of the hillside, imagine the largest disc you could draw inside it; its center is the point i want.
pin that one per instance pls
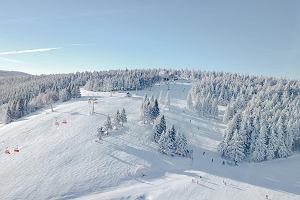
(4, 74)
(65, 162)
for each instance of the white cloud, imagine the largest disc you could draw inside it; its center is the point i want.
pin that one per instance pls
(28, 51)
(11, 60)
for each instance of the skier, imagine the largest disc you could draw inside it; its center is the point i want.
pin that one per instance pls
(7, 151)
(203, 153)
(56, 123)
(212, 160)
(223, 163)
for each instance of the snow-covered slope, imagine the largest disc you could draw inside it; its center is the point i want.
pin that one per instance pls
(64, 162)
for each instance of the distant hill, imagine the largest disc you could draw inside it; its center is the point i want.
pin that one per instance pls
(12, 73)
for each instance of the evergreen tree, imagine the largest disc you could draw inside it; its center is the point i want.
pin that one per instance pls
(228, 114)
(215, 110)
(235, 148)
(8, 116)
(282, 150)
(198, 106)
(159, 127)
(163, 143)
(167, 142)
(19, 108)
(107, 124)
(181, 145)
(272, 146)
(145, 110)
(117, 119)
(260, 150)
(123, 116)
(76, 92)
(154, 111)
(100, 133)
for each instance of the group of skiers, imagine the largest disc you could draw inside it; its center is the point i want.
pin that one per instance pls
(212, 159)
(16, 150)
(64, 121)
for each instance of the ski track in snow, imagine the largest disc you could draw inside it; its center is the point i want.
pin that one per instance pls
(65, 162)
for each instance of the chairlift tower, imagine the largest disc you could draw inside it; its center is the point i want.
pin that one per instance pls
(93, 101)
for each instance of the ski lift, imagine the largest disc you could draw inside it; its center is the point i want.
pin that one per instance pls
(7, 151)
(16, 150)
(64, 121)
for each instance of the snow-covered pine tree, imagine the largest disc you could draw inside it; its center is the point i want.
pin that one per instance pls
(123, 116)
(228, 114)
(163, 143)
(107, 124)
(49, 98)
(64, 95)
(282, 150)
(8, 116)
(89, 85)
(154, 111)
(234, 125)
(215, 110)
(19, 112)
(235, 149)
(159, 127)
(100, 133)
(289, 137)
(181, 145)
(260, 150)
(145, 110)
(76, 92)
(117, 119)
(272, 147)
(171, 140)
(198, 106)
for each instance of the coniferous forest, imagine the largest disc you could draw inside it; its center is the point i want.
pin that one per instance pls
(262, 113)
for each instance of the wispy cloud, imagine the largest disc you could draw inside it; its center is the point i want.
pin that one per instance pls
(28, 51)
(11, 60)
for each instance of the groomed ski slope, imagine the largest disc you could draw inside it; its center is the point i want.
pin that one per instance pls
(65, 162)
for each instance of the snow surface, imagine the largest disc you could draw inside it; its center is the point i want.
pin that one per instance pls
(65, 162)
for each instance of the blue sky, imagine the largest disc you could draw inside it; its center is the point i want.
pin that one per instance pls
(253, 37)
